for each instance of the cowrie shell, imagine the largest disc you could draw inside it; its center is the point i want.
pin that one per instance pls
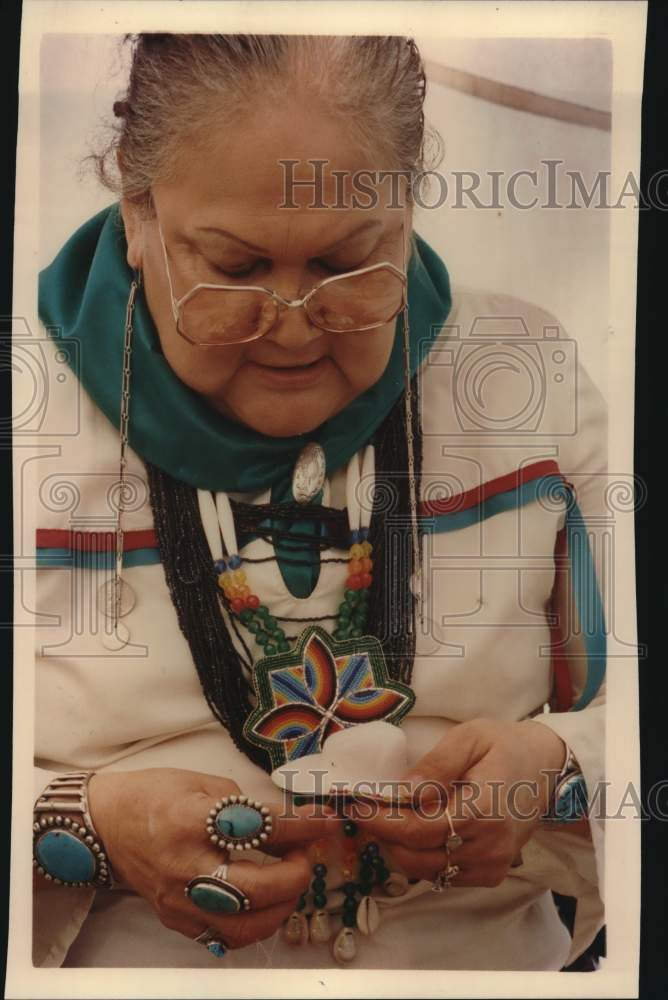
(320, 927)
(344, 948)
(368, 915)
(295, 929)
(396, 884)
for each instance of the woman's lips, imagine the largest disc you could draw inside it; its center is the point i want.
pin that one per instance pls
(298, 377)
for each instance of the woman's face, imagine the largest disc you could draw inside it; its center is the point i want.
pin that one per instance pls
(221, 223)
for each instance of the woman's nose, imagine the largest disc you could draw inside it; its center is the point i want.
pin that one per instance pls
(293, 329)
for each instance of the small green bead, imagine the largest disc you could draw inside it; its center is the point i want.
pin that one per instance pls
(262, 611)
(246, 615)
(359, 619)
(270, 623)
(349, 919)
(301, 903)
(341, 633)
(254, 627)
(318, 885)
(349, 828)
(345, 612)
(351, 598)
(365, 873)
(363, 596)
(262, 638)
(350, 888)
(278, 634)
(349, 905)
(270, 649)
(320, 900)
(356, 633)
(283, 646)
(365, 888)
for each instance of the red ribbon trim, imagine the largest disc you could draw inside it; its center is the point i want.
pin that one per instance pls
(477, 495)
(94, 541)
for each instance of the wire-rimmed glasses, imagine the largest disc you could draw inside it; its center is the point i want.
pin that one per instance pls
(217, 315)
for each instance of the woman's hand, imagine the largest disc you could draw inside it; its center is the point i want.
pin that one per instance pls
(153, 826)
(496, 778)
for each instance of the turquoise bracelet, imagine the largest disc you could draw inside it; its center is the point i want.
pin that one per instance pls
(68, 851)
(569, 801)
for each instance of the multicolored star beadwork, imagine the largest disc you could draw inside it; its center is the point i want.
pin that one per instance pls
(322, 686)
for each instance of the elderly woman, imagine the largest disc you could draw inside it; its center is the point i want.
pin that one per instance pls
(297, 537)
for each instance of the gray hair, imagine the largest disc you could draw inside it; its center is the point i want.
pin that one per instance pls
(375, 85)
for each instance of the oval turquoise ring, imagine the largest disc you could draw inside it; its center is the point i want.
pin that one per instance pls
(238, 823)
(214, 894)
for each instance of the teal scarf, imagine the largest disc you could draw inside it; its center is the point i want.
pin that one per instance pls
(83, 296)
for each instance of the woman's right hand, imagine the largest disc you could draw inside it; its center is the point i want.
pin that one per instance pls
(153, 827)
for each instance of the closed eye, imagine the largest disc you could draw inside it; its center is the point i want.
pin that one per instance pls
(333, 269)
(237, 272)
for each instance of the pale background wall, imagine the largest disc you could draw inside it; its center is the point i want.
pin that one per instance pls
(557, 258)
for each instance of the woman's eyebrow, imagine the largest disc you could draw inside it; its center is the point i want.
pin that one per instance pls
(369, 224)
(216, 230)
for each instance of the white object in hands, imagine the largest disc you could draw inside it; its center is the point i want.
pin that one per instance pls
(360, 759)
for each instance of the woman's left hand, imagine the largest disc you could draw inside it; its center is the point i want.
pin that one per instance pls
(496, 779)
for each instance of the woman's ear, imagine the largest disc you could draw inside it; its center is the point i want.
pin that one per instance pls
(134, 234)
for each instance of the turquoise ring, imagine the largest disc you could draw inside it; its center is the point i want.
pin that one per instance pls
(213, 942)
(215, 894)
(238, 823)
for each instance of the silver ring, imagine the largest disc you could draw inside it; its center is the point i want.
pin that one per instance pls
(216, 894)
(445, 877)
(238, 823)
(453, 840)
(213, 942)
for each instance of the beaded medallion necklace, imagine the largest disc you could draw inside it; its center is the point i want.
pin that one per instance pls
(323, 683)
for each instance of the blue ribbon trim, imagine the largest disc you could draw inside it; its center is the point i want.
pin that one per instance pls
(69, 559)
(511, 499)
(588, 602)
(583, 572)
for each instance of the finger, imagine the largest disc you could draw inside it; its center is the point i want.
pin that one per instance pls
(236, 931)
(271, 883)
(450, 759)
(419, 864)
(297, 826)
(486, 877)
(285, 826)
(402, 826)
(274, 881)
(243, 929)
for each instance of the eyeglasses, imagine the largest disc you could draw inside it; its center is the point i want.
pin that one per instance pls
(212, 315)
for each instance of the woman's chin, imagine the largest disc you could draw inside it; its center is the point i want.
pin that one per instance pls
(286, 418)
(286, 424)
